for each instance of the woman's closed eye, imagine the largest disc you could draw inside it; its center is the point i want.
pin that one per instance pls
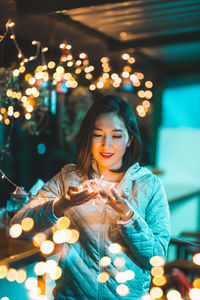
(114, 136)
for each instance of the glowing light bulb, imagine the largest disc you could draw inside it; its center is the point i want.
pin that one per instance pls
(40, 268)
(75, 236)
(11, 275)
(38, 239)
(196, 259)
(159, 280)
(194, 294)
(21, 276)
(3, 271)
(122, 290)
(157, 271)
(47, 247)
(15, 231)
(156, 292)
(82, 55)
(103, 277)
(173, 295)
(92, 87)
(119, 262)
(62, 236)
(56, 274)
(31, 283)
(157, 261)
(115, 248)
(105, 261)
(51, 266)
(16, 72)
(27, 224)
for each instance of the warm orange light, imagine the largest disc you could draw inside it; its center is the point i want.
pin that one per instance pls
(21, 276)
(38, 239)
(156, 292)
(114, 248)
(75, 236)
(157, 271)
(103, 277)
(119, 262)
(40, 268)
(15, 231)
(173, 295)
(157, 261)
(122, 290)
(196, 283)
(11, 275)
(159, 280)
(47, 247)
(31, 283)
(56, 274)
(196, 259)
(105, 261)
(3, 271)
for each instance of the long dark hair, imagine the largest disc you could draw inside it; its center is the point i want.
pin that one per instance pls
(107, 104)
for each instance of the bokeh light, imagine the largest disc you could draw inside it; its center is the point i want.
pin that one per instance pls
(105, 261)
(122, 290)
(157, 261)
(15, 231)
(115, 248)
(103, 277)
(27, 224)
(47, 247)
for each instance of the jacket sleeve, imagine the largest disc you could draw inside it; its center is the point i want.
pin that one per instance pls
(40, 208)
(150, 237)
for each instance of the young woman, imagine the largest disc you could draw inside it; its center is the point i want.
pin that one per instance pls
(130, 208)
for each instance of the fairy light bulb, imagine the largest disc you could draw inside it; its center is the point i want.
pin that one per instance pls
(62, 236)
(27, 224)
(47, 247)
(11, 275)
(173, 295)
(115, 248)
(16, 72)
(105, 261)
(156, 292)
(38, 239)
(82, 55)
(157, 261)
(122, 290)
(56, 274)
(15, 231)
(92, 87)
(125, 56)
(31, 283)
(103, 277)
(51, 266)
(21, 276)
(3, 271)
(119, 262)
(40, 268)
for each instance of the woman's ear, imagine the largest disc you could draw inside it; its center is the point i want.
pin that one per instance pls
(130, 141)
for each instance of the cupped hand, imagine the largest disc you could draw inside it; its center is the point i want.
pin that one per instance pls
(74, 197)
(119, 204)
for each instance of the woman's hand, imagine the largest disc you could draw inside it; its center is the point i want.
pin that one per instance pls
(119, 203)
(72, 198)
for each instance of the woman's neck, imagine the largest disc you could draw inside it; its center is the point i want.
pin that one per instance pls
(111, 176)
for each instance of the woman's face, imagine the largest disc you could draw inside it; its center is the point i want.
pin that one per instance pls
(110, 140)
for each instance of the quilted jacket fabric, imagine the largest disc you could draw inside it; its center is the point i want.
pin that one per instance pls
(146, 235)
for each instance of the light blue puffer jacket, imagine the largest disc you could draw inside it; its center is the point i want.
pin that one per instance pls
(146, 235)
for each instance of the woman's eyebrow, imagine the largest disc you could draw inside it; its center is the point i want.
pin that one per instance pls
(115, 130)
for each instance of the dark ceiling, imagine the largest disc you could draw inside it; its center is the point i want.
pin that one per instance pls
(165, 33)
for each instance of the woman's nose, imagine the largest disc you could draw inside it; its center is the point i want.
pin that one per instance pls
(107, 141)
